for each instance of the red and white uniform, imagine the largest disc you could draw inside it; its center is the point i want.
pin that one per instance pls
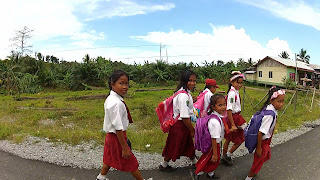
(216, 130)
(207, 98)
(267, 128)
(179, 141)
(116, 118)
(234, 104)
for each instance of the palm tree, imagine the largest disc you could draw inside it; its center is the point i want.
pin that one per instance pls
(284, 55)
(303, 55)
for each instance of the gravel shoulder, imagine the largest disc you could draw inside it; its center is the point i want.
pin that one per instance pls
(88, 156)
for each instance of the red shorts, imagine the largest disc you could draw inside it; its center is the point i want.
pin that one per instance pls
(179, 142)
(266, 155)
(112, 155)
(238, 136)
(205, 164)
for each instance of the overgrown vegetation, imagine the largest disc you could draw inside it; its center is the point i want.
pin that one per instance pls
(85, 122)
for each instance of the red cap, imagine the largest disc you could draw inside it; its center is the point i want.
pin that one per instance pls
(211, 82)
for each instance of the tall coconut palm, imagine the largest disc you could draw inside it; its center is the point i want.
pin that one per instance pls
(303, 55)
(284, 55)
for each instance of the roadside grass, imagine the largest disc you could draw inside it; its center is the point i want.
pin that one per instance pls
(84, 124)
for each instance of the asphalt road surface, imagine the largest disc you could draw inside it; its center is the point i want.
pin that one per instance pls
(297, 159)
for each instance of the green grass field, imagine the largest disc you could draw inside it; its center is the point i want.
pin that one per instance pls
(77, 121)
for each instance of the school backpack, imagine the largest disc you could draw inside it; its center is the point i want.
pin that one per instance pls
(199, 105)
(252, 129)
(165, 112)
(202, 137)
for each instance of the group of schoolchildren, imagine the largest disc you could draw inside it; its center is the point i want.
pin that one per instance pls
(222, 119)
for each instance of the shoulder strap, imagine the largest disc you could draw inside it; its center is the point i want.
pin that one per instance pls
(215, 116)
(270, 112)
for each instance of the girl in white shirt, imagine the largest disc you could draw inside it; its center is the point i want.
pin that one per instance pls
(275, 102)
(179, 141)
(236, 123)
(210, 160)
(117, 153)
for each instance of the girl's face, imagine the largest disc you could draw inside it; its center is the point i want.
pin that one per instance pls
(220, 106)
(213, 89)
(121, 86)
(237, 84)
(278, 102)
(192, 82)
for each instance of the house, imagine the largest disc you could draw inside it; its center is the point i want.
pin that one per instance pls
(316, 75)
(272, 70)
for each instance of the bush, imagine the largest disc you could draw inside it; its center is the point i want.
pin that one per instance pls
(289, 83)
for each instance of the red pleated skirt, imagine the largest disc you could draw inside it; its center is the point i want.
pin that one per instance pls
(112, 155)
(266, 155)
(238, 136)
(179, 142)
(205, 164)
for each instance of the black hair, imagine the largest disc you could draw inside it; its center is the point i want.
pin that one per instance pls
(184, 79)
(271, 91)
(208, 86)
(213, 101)
(115, 76)
(236, 79)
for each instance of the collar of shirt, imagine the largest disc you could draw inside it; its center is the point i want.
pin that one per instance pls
(234, 89)
(271, 107)
(113, 93)
(207, 89)
(188, 91)
(216, 113)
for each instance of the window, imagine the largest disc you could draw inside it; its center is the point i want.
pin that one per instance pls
(270, 74)
(260, 73)
(293, 76)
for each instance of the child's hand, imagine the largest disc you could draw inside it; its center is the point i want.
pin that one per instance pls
(259, 151)
(233, 128)
(214, 158)
(126, 153)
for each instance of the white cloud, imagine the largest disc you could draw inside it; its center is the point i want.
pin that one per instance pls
(297, 11)
(225, 43)
(59, 21)
(101, 9)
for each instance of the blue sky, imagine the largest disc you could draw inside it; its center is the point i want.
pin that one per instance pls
(193, 30)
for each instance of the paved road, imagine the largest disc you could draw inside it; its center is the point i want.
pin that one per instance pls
(297, 159)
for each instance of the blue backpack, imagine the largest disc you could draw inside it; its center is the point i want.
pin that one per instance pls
(252, 129)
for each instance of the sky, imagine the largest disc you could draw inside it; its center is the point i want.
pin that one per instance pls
(133, 31)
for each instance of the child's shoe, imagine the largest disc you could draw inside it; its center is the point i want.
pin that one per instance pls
(167, 169)
(227, 160)
(214, 176)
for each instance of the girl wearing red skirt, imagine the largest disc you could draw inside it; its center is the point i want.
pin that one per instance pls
(117, 153)
(236, 123)
(210, 128)
(275, 102)
(179, 141)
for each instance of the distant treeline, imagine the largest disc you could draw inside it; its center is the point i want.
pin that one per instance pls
(30, 75)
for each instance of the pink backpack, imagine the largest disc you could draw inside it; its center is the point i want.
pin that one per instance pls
(165, 112)
(199, 105)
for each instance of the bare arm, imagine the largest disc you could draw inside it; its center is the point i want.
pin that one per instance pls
(259, 142)
(214, 150)
(123, 143)
(230, 117)
(187, 122)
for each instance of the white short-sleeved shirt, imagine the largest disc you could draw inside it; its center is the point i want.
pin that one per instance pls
(115, 116)
(266, 125)
(232, 103)
(216, 129)
(207, 98)
(183, 105)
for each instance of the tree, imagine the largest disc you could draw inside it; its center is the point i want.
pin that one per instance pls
(303, 55)
(20, 40)
(284, 55)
